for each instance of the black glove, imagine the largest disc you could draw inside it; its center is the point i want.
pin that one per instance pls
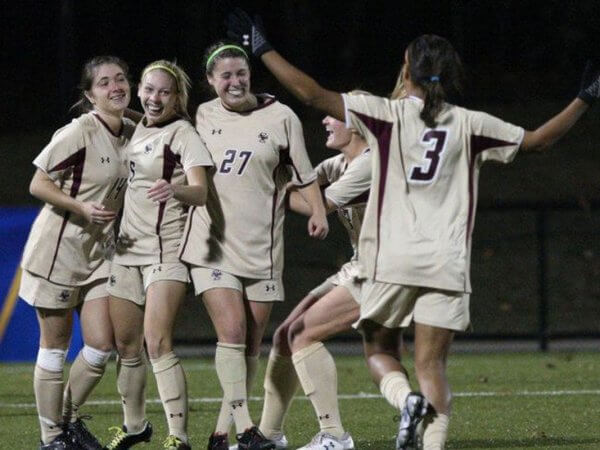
(590, 83)
(250, 34)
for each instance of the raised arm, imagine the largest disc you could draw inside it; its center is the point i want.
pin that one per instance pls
(555, 128)
(250, 33)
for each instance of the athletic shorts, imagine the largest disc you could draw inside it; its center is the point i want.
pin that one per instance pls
(41, 293)
(394, 306)
(131, 282)
(345, 277)
(253, 289)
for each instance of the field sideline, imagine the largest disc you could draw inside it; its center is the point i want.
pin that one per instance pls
(501, 401)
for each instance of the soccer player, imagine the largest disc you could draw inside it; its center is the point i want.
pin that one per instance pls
(81, 177)
(235, 243)
(147, 283)
(416, 238)
(328, 309)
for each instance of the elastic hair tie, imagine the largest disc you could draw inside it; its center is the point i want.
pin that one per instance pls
(434, 78)
(162, 67)
(222, 48)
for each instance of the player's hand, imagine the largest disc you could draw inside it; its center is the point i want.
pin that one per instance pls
(590, 83)
(161, 191)
(318, 227)
(249, 33)
(96, 213)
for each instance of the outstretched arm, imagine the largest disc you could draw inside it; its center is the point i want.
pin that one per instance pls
(250, 33)
(555, 128)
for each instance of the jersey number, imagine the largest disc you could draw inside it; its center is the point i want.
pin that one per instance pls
(229, 160)
(435, 142)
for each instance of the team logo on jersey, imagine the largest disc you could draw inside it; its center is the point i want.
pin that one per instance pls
(112, 280)
(105, 159)
(64, 296)
(216, 274)
(217, 131)
(262, 137)
(270, 288)
(157, 269)
(148, 149)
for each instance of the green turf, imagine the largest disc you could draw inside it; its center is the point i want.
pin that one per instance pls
(502, 401)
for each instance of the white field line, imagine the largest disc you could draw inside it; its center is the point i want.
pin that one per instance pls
(360, 395)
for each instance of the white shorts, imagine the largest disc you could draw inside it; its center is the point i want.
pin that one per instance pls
(41, 293)
(131, 282)
(345, 277)
(256, 290)
(394, 306)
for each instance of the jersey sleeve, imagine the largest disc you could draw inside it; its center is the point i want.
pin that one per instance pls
(354, 184)
(368, 114)
(302, 169)
(493, 138)
(193, 150)
(324, 171)
(55, 158)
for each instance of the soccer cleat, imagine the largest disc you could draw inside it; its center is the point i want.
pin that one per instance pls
(63, 441)
(253, 439)
(415, 407)
(123, 440)
(326, 441)
(281, 442)
(174, 443)
(218, 441)
(82, 437)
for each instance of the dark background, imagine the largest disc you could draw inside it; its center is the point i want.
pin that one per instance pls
(523, 60)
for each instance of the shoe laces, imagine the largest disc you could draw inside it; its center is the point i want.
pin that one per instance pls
(117, 439)
(172, 442)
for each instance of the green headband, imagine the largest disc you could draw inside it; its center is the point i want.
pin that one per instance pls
(220, 49)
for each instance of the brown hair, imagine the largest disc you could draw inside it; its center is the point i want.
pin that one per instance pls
(232, 51)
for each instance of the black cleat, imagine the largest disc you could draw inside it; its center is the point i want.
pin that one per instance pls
(218, 441)
(253, 439)
(415, 408)
(123, 440)
(63, 441)
(82, 437)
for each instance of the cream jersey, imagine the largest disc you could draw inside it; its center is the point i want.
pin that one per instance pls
(87, 161)
(150, 232)
(421, 210)
(347, 186)
(240, 230)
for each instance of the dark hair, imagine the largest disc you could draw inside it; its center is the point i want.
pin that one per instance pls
(232, 52)
(88, 72)
(435, 67)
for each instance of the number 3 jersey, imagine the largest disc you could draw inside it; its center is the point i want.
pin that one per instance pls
(151, 232)
(421, 209)
(240, 230)
(87, 161)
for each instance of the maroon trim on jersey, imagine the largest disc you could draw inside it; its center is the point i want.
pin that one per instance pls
(478, 145)
(361, 198)
(382, 131)
(262, 101)
(187, 235)
(286, 159)
(101, 120)
(160, 124)
(170, 161)
(77, 162)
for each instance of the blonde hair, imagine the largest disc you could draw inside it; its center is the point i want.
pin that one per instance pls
(399, 89)
(182, 82)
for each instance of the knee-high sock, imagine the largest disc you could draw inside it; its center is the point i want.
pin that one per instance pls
(225, 420)
(172, 389)
(281, 383)
(395, 387)
(131, 384)
(85, 373)
(48, 388)
(318, 376)
(230, 363)
(435, 432)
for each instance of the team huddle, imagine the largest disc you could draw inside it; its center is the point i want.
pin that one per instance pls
(139, 205)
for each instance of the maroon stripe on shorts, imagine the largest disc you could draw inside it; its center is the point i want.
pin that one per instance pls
(77, 162)
(170, 161)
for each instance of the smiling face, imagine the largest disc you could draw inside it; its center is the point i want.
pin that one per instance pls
(110, 91)
(158, 95)
(338, 136)
(230, 78)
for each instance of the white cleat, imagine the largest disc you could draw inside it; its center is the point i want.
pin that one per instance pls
(325, 441)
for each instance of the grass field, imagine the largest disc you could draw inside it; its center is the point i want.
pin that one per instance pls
(501, 401)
